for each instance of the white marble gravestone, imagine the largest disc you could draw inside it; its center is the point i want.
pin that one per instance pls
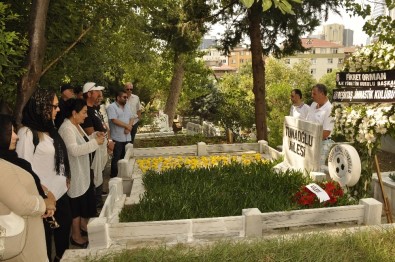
(301, 145)
(162, 122)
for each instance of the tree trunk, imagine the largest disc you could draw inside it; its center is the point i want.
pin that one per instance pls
(175, 87)
(258, 70)
(35, 57)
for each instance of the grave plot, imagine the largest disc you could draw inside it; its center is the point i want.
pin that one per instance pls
(107, 233)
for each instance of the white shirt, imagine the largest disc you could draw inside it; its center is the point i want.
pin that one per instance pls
(78, 151)
(321, 115)
(42, 160)
(134, 104)
(300, 112)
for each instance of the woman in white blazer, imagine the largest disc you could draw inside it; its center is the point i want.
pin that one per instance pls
(79, 147)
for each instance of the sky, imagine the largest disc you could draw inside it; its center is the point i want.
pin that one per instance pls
(354, 23)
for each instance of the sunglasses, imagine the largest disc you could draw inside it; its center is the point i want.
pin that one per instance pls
(129, 89)
(52, 222)
(54, 106)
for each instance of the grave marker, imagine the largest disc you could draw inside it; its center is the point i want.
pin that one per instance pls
(301, 145)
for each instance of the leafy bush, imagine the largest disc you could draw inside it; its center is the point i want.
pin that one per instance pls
(177, 140)
(214, 192)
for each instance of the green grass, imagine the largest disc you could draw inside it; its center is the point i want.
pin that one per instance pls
(369, 246)
(183, 193)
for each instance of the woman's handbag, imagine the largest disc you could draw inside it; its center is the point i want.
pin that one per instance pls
(12, 235)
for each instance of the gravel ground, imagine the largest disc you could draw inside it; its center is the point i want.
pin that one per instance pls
(386, 161)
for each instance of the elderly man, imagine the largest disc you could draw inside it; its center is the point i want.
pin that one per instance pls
(135, 108)
(95, 123)
(298, 109)
(320, 112)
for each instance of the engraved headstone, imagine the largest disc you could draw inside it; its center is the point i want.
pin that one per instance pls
(301, 145)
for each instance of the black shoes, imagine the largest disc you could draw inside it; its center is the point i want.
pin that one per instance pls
(84, 233)
(83, 245)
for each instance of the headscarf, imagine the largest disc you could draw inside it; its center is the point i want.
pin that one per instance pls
(37, 115)
(11, 156)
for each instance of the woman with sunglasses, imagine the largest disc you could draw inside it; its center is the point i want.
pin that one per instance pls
(41, 145)
(19, 195)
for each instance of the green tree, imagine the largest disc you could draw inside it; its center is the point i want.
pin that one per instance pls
(12, 49)
(329, 80)
(236, 101)
(236, 107)
(180, 26)
(46, 46)
(280, 80)
(265, 24)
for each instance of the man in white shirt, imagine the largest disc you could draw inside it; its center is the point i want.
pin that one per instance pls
(135, 108)
(298, 109)
(320, 112)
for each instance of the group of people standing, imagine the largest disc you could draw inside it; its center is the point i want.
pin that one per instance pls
(318, 112)
(55, 164)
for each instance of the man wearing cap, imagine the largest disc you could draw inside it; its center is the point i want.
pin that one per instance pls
(95, 123)
(135, 108)
(66, 92)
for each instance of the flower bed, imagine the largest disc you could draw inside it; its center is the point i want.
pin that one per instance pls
(106, 231)
(192, 162)
(216, 186)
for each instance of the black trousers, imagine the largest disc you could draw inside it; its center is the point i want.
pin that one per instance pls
(117, 154)
(134, 131)
(62, 233)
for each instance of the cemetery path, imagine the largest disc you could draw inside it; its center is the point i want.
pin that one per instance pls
(386, 161)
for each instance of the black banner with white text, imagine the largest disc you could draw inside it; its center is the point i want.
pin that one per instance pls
(357, 87)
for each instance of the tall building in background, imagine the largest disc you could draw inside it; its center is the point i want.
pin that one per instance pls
(348, 37)
(379, 8)
(334, 33)
(391, 13)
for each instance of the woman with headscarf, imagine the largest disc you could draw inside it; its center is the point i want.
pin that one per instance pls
(41, 145)
(79, 148)
(19, 194)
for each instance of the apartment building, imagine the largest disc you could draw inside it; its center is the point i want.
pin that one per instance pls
(324, 56)
(221, 63)
(239, 56)
(213, 57)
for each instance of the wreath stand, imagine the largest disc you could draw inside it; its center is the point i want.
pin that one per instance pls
(387, 207)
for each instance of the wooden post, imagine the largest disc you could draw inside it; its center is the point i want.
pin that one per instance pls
(387, 207)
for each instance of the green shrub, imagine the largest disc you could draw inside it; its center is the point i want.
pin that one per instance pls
(177, 140)
(183, 193)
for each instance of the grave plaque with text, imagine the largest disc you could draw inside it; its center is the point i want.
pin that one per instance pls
(302, 144)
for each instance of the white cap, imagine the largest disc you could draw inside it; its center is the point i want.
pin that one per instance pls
(90, 86)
